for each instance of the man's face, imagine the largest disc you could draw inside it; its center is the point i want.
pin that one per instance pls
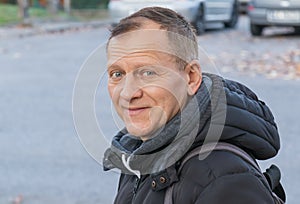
(146, 86)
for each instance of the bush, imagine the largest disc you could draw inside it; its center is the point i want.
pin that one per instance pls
(11, 1)
(8, 14)
(89, 4)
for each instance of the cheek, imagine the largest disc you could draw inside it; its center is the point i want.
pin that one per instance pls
(173, 104)
(181, 87)
(164, 98)
(177, 92)
(112, 90)
(170, 106)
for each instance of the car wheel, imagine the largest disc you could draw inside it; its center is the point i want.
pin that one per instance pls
(256, 30)
(234, 16)
(199, 22)
(297, 29)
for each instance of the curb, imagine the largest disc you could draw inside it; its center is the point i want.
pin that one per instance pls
(45, 28)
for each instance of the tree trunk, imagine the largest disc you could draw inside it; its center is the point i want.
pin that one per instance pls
(67, 6)
(23, 10)
(52, 6)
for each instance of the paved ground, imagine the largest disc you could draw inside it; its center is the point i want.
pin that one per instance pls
(42, 160)
(40, 153)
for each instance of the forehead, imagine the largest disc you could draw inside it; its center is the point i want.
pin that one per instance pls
(138, 41)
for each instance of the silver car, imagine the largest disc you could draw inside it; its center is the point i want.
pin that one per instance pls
(198, 12)
(263, 13)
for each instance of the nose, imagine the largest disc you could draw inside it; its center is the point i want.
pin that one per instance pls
(131, 89)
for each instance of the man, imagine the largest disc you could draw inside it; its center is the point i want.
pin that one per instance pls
(169, 108)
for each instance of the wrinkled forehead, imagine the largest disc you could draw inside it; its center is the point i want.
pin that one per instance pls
(138, 41)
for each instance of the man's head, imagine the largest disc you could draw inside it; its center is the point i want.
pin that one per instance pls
(167, 20)
(152, 67)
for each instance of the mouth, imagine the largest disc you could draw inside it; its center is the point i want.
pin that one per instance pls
(135, 111)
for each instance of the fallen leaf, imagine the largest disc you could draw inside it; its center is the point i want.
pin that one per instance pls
(18, 200)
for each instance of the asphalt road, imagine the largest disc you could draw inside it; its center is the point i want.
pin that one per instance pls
(41, 157)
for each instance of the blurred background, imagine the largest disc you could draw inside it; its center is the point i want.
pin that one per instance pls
(43, 44)
(13, 11)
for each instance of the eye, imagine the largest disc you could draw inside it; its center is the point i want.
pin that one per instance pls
(147, 73)
(116, 75)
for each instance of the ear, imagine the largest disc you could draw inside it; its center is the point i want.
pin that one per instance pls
(193, 71)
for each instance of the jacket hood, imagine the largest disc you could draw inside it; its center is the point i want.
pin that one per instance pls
(249, 122)
(221, 110)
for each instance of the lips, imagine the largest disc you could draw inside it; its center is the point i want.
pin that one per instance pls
(134, 111)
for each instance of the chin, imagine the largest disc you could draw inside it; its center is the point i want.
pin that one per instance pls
(141, 132)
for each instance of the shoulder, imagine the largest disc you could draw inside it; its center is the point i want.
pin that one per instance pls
(221, 174)
(215, 165)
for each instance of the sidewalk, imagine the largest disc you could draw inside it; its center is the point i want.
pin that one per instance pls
(48, 27)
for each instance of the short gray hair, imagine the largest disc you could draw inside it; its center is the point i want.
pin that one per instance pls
(181, 35)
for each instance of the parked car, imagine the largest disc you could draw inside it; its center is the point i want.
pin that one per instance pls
(263, 13)
(198, 12)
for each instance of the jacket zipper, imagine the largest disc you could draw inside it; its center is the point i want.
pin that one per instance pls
(135, 187)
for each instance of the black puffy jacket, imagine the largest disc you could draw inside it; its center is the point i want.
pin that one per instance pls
(220, 178)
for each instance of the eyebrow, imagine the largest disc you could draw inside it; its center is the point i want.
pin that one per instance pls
(114, 66)
(139, 65)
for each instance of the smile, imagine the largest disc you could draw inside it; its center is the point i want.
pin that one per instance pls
(135, 111)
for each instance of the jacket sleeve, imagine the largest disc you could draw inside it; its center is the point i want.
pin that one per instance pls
(235, 188)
